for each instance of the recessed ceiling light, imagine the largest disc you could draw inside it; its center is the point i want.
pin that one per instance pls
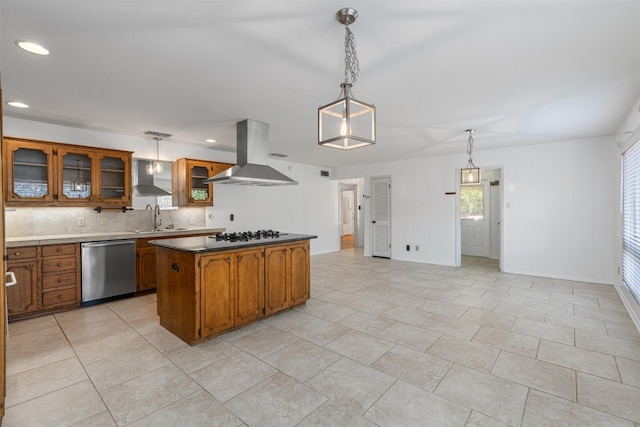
(210, 140)
(18, 104)
(32, 47)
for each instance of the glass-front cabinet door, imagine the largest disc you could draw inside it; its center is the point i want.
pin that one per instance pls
(199, 192)
(115, 179)
(29, 172)
(76, 181)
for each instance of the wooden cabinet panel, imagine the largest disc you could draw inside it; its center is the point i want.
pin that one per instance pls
(205, 294)
(217, 279)
(300, 277)
(26, 252)
(147, 268)
(56, 250)
(43, 173)
(58, 297)
(275, 270)
(28, 171)
(60, 276)
(249, 285)
(24, 296)
(189, 188)
(53, 281)
(56, 265)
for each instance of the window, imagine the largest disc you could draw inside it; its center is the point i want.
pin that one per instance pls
(631, 219)
(472, 202)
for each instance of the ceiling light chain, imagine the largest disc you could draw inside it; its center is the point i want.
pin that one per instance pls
(352, 66)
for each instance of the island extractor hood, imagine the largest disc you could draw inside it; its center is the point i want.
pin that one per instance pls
(252, 155)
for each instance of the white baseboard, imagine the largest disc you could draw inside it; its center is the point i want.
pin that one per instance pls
(630, 303)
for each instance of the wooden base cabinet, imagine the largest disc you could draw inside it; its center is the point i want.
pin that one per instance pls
(287, 276)
(201, 295)
(24, 297)
(48, 279)
(217, 283)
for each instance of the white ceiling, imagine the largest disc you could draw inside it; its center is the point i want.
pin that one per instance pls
(518, 71)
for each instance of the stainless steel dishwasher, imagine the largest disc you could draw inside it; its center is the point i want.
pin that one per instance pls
(108, 270)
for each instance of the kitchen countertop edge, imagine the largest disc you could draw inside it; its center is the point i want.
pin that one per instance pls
(14, 242)
(191, 244)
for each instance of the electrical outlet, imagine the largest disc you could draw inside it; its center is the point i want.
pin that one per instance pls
(417, 248)
(192, 220)
(210, 216)
(80, 221)
(408, 247)
(103, 221)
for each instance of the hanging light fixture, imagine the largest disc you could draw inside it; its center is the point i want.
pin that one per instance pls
(78, 184)
(347, 123)
(155, 167)
(470, 174)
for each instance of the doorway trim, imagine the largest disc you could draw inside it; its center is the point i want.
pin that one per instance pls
(458, 221)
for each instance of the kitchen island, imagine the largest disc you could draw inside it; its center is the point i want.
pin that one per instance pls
(208, 286)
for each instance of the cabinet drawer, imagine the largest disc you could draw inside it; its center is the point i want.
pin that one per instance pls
(59, 297)
(58, 264)
(55, 250)
(22, 253)
(58, 280)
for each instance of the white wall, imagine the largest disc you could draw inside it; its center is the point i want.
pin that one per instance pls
(559, 207)
(309, 207)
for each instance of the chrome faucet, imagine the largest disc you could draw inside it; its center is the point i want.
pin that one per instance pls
(157, 222)
(150, 209)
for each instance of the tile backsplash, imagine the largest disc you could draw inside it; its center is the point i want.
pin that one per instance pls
(25, 222)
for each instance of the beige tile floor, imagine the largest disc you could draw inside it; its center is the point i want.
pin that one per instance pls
(380, 343)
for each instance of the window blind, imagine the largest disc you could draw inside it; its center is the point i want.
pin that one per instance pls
(631, 219)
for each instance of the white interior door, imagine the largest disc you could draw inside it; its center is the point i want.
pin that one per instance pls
(348, 217)
(381, 217)
(495, 220)
(475, 228)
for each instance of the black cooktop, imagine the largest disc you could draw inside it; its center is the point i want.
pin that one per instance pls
(245, 236)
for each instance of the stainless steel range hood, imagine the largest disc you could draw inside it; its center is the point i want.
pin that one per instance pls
(142, 183)
(252, 156)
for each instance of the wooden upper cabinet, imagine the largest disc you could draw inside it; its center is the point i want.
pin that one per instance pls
(75, 176)
(190, 190)
(28, 168)
(41, 173)
(114, 177)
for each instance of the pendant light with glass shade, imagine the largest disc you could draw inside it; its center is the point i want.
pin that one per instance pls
(347, 123)
(155, 167)
(470, 174)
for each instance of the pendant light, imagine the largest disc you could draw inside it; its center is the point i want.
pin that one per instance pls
(78, 184)
(155, 167)
(347, 123)
(470, 174)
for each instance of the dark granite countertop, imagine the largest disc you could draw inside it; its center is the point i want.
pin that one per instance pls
(208, 244)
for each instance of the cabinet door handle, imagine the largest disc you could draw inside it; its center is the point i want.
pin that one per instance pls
(228, 259)
(59, 250)
(59, 280)
(17, 253)
(59, 264)
(30, 265)
(239, 257)
(59, 296)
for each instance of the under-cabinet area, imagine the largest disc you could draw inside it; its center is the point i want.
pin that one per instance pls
(203, 294)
